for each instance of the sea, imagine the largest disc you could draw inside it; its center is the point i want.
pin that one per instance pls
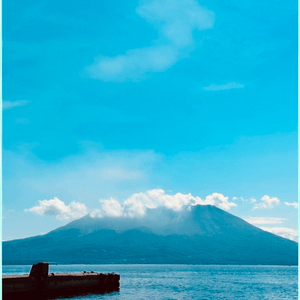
(203, 282)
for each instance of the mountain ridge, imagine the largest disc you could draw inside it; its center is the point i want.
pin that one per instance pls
(203, 234)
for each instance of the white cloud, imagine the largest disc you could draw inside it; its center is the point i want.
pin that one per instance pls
(251, 200)
(263, 220)
(295, 204)
(287, 233)
(11, 104)
(175, 20)
(134, 63)
(218, 200)
(117, 173)
(135, 208)
(267, 202)
(56, 207)
(112, 208)
(137, 204)
(222, 87)
(157, 197)
(235, 198)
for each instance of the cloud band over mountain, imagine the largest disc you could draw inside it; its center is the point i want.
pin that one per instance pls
(134, 207)
(138, 205)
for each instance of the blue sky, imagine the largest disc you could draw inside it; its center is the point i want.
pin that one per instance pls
(113, 100)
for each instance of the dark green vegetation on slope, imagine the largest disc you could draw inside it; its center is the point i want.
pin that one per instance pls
(202, 235)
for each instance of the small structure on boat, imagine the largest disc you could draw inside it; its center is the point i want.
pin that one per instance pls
(39, 284)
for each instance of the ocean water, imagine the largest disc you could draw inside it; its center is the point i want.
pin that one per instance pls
(189, 281)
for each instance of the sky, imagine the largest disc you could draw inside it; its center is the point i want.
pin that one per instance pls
(114, 107)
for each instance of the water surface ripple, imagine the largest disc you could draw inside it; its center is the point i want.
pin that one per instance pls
(190, 281)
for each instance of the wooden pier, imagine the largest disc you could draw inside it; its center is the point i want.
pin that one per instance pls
(39, 284)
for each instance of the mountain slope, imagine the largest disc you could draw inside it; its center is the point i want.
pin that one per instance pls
(202, 235)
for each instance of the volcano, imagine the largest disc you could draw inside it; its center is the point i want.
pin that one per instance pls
(201, 234)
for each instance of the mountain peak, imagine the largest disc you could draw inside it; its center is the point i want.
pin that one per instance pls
(202, 234)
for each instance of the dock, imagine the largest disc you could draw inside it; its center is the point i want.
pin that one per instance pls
(40, 285)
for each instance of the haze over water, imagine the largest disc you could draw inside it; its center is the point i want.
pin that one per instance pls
(203, 282)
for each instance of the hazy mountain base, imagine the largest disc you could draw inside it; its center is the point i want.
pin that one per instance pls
(205, 235)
